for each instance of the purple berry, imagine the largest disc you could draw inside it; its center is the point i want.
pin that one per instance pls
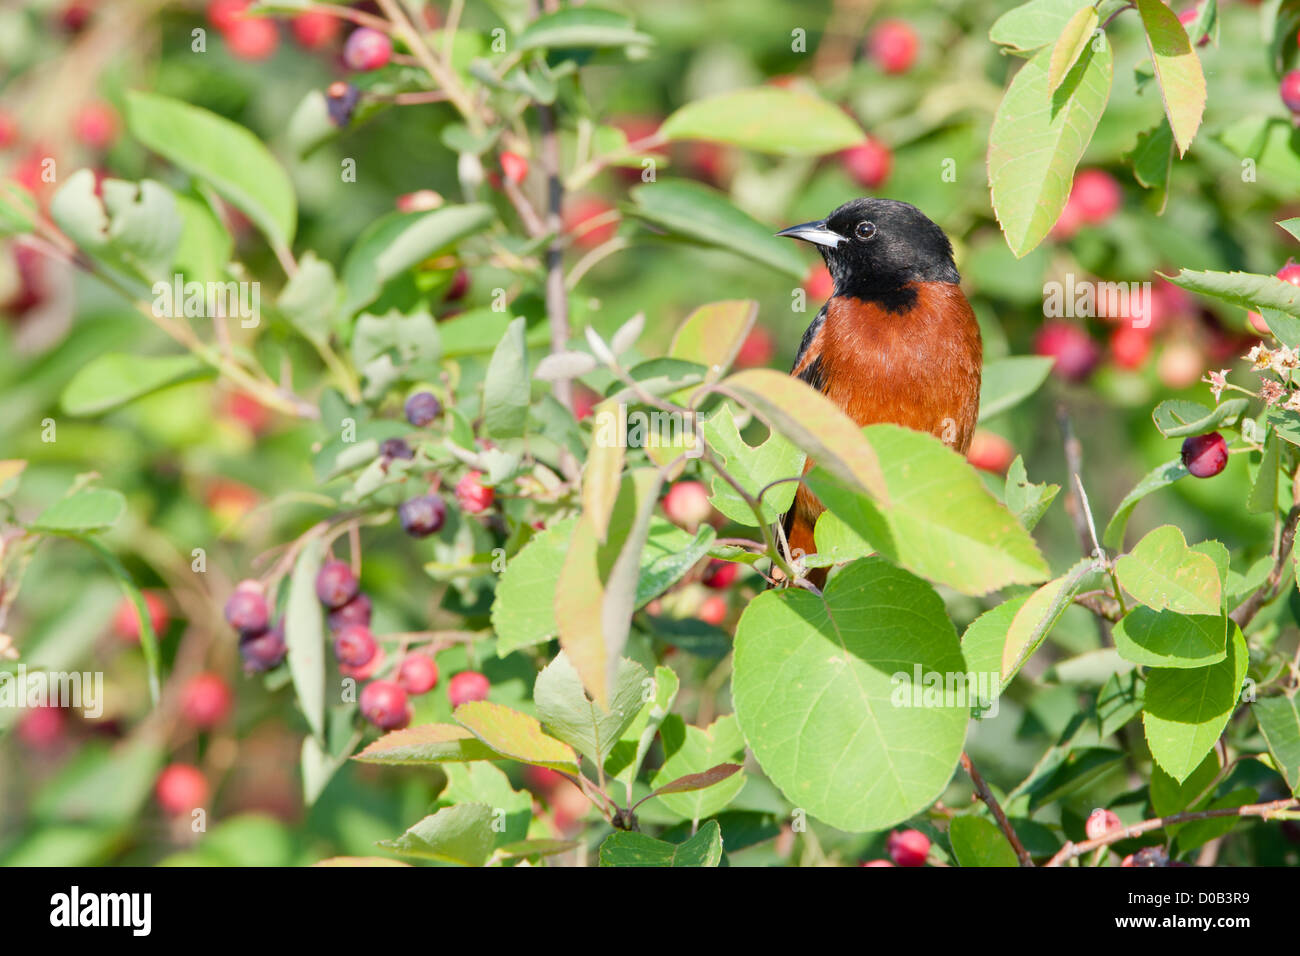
(1205, 455)
(261, 652)
(367, 49)
(422, 516)
(422, 408)
(355, 645)
(383, 703)
(396, 448)
(341, 100)
(356, 611)
(336, 585)
(246, 610)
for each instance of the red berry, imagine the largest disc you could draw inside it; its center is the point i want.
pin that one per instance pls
(819, 284)
(720, 575)
(1205, 455)
(989, 451)
(383, 703)
(1100, 821)
(1096, 194)
(76, 15)
(869, 162)
(1290, 273)
(514, 167)
(367, 49)
(1187, 18)
(336, 585)
(181, 788)
(893, 46)
(96, 125)
(543, 780)
(223, 14)
(126, 622)
(367, 670)
(206, 700)
(584, 401)
(356, 611)
(1129, 347)
(472, 495)
(1075, 352)
(757, 350)
(908, 847)
(422, 200)
(875, 863)
(687, 504)
(262, 651)
(713, 610)
(40, 728)
(418, 674)
(580, 212)
(354, 645)
(315, 30)
(252, 38)
(467, 686)
(8, 130)
(422, 516)
(247, 411)
(1290, 91)
(246, 610)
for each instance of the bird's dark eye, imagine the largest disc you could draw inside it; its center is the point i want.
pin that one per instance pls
(864, 230)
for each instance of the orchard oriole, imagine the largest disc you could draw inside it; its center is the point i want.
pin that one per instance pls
(896, 342)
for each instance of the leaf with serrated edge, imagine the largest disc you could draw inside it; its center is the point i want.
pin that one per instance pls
(462, 834)
(1279, 722)
(515, 735)
(427, 743)
(1070, 44)
(1163, 572)
(569, 715)
(690, 751)
(753, 467)
(1177, 69)
(1159, 477)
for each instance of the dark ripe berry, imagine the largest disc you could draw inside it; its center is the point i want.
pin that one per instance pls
(367, 49)
(396, 448)
(908, 847)
(383, 703)
(422, 408)
(355, 645)
(422, 516)
(356, 611)
(247, 609)
(467, 686)
(418, 674)
(1205, 455)
(472, 495)
(1150, 856)
(261, 652)
(1100, 821)
(336, 585)
(1290, 91)
(720, 575)
(459, 286)
(341, 100)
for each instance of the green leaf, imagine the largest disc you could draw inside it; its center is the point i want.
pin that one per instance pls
(581, 28)
(816, 694)
(134, 229)
(205, 247)
(1286, 328)
(506, 387)
(148, 639)
(668, 554)
(1152, 157)
(515, 735)
(398, 241)
(1177, 69)
(1026, 500)
(304, 635)
(1037, 140)
(461, 834)
(713, 334)
(977, 842)
(1168, 639)
(1279, 722)
(569, 715)
(1263, 492)
(706, 216)
(18, 209)
(814, 423)
(1292, 226)
(1200, 832)
(692, 751)
(753, 467)
(1036, 618)
(1269, 142)
(941, 522)
(482, 782)
(427, 744)
(768, 119)
(1246, 289)
(1007, 382)
(1034, 24)
(410, 338)
(1186, 710)
(1168, 796)
(91, 509)
(625, 760)
(1163, 572)
(602, 474)
(1075, 37)
(1177, 417)
(310, 299)
(523, 611)
(1159, 477)
(114, 379)
(223, 154)
(625, 848)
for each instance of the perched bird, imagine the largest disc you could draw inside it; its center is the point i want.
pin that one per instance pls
(896, 342)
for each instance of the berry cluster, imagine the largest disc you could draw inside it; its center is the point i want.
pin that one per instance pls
(261, 645)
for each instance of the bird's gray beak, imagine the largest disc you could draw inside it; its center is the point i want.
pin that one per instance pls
(814, 232)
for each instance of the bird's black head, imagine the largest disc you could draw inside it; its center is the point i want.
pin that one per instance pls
(875, 247)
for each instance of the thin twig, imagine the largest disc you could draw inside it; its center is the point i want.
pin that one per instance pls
(1271, 588)
(991, 802)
